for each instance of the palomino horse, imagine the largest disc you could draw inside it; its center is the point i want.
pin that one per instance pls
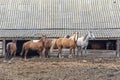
(65, 43)
(82, 42)
(11, 51)
(35, 46)
(74, 37)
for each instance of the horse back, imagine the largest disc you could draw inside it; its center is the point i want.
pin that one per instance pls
(64, 42)
(33, 45)
(12, 47)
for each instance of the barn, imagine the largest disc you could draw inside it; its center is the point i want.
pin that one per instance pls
(25, 20)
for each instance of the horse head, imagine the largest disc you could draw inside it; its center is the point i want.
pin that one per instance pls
(75, 36)
(43, 38)
(91, 35)
(14, 41)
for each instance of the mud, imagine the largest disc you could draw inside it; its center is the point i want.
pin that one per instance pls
(78, 68)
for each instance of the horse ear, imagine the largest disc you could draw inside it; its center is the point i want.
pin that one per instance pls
(90, 31)
(75, 32)
(43, 35)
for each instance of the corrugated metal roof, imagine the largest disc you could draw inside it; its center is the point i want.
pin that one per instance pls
(109, 33)
(24, 17)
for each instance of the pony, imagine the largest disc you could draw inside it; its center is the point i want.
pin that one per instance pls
(69, 43)
(34, 46)
(82, 42)
(11, 49)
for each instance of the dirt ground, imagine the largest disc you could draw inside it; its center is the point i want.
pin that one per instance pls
(79, 68)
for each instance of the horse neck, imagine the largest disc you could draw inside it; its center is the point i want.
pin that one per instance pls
(41, 40)
(86, 38)
(73, 37)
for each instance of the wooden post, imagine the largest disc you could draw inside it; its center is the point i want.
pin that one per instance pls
(4, 47)
(117, 48)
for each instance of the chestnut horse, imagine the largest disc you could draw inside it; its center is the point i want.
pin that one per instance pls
(47, 45)
(35, 46)
(65, 43)
(11, 49)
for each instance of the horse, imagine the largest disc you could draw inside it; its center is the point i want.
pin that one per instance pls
(11, 49)
(67, 36)
(82, 42)
(47, 46)
(65, 43)
(34, 46)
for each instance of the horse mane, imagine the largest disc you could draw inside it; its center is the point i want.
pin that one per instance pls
(85, 37)
(41, 40)
(13, 41)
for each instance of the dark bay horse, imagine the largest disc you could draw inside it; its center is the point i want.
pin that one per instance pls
(47, 45)
(34, 46)
(11, 49)
(69, 43)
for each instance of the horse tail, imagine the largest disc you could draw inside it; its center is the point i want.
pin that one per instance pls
(8, 51)
(53, 44)
(22, 51)
(8, 48)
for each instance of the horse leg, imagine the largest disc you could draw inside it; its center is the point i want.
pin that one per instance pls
(40, 53)
(81, 50)
(78, 50)
(70, 55)
(46, 53)
(6, 57)
(59, 53)
(86, 50)
(13, 55)
(25, 55)
(10, 57)
(74, 52)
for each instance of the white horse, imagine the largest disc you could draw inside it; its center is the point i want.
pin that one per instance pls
(82, 42)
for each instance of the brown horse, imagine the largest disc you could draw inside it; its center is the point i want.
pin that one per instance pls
(10, 51)
(35, 46)
(65, 43)
(47, 45)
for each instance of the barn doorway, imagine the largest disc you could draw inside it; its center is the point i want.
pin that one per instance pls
(102, 44)
(19, 48)
(19, 45)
